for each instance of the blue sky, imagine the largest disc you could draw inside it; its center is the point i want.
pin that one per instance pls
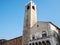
(12, 15)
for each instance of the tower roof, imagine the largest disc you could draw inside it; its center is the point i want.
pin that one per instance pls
(30, 2)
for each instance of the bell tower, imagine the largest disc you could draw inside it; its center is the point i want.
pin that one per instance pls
(30, 14)
(29, 20)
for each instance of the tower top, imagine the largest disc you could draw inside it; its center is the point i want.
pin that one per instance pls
(30, 0)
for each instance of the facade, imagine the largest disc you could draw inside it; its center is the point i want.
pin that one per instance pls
(35, 32)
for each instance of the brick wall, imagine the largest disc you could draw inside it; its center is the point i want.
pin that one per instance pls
(15, 41)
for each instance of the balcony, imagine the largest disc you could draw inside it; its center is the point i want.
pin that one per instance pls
(40, 41)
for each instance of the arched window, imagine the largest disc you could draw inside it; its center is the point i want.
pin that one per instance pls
(48, 43)
(33, 37)
(43, 43)
(33, 7)
(36, 43)
(28, 7)
(32, 43)
(44, 34)
(40, 43)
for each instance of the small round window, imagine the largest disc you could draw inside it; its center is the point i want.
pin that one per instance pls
(28, 7)
(33, 7)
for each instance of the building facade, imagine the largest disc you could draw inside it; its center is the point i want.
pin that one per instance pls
(35, 32)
